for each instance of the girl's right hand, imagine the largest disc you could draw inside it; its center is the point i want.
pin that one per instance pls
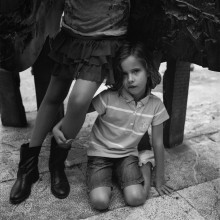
(58, 134)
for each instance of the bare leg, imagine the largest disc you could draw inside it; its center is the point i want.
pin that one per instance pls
(100, 197)
(79, 101)
(136, 195)
(54, 97)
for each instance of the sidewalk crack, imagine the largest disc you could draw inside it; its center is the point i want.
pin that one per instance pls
(194, 165)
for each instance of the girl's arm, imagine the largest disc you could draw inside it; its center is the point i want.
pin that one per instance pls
(57, 130)
(157, 143)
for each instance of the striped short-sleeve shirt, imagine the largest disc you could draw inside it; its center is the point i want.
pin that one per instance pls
(121, 123)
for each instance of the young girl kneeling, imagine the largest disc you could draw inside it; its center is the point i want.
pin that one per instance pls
(125, 112)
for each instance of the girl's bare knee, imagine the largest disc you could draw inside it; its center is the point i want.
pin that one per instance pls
(100, 202)
(82, 93)
(135, 197)
(135, 200)
(100, 197)
(77, 104)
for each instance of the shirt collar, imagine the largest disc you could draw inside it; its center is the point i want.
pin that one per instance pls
(128, 98)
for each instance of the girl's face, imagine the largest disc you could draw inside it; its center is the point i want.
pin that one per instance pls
(135, 77)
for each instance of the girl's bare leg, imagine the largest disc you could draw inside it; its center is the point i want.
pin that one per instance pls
(54, 97)
(136, 195)
(79, 101)
(100, 197)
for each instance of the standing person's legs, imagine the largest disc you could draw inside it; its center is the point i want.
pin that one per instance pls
(79, 101)
(28, 166)
(54, 97)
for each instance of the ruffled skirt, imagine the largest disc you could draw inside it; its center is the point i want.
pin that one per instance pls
(78, 57)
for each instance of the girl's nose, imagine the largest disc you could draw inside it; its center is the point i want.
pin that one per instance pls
(130, 78)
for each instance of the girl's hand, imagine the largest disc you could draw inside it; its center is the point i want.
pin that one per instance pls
(58, 134)
(162, 188)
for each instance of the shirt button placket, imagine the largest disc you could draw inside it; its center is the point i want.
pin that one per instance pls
(134, 113)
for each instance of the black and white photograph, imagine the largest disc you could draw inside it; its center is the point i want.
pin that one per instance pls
(110, 109)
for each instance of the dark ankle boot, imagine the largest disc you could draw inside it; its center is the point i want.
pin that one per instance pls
(60, 187)
(27, 173)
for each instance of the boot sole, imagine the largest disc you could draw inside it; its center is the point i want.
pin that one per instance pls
(59, 196)
(20, 200)
(17, 201)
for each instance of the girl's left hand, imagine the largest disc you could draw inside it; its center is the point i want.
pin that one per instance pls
(162, 188)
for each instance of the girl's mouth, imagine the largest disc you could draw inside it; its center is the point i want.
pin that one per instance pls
(131, 87)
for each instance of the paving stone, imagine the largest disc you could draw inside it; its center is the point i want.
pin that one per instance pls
(205, 198)
(167, 208)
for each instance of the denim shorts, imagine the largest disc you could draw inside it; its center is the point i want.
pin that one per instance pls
(102, 171)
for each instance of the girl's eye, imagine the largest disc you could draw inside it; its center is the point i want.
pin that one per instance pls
(135, 71)
(124, 74)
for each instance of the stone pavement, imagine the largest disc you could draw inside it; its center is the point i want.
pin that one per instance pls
(192, 169)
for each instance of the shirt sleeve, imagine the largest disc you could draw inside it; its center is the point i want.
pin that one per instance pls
(100, 102)
(160, 114)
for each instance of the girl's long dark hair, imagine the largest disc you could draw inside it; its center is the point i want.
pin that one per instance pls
(139, 51)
